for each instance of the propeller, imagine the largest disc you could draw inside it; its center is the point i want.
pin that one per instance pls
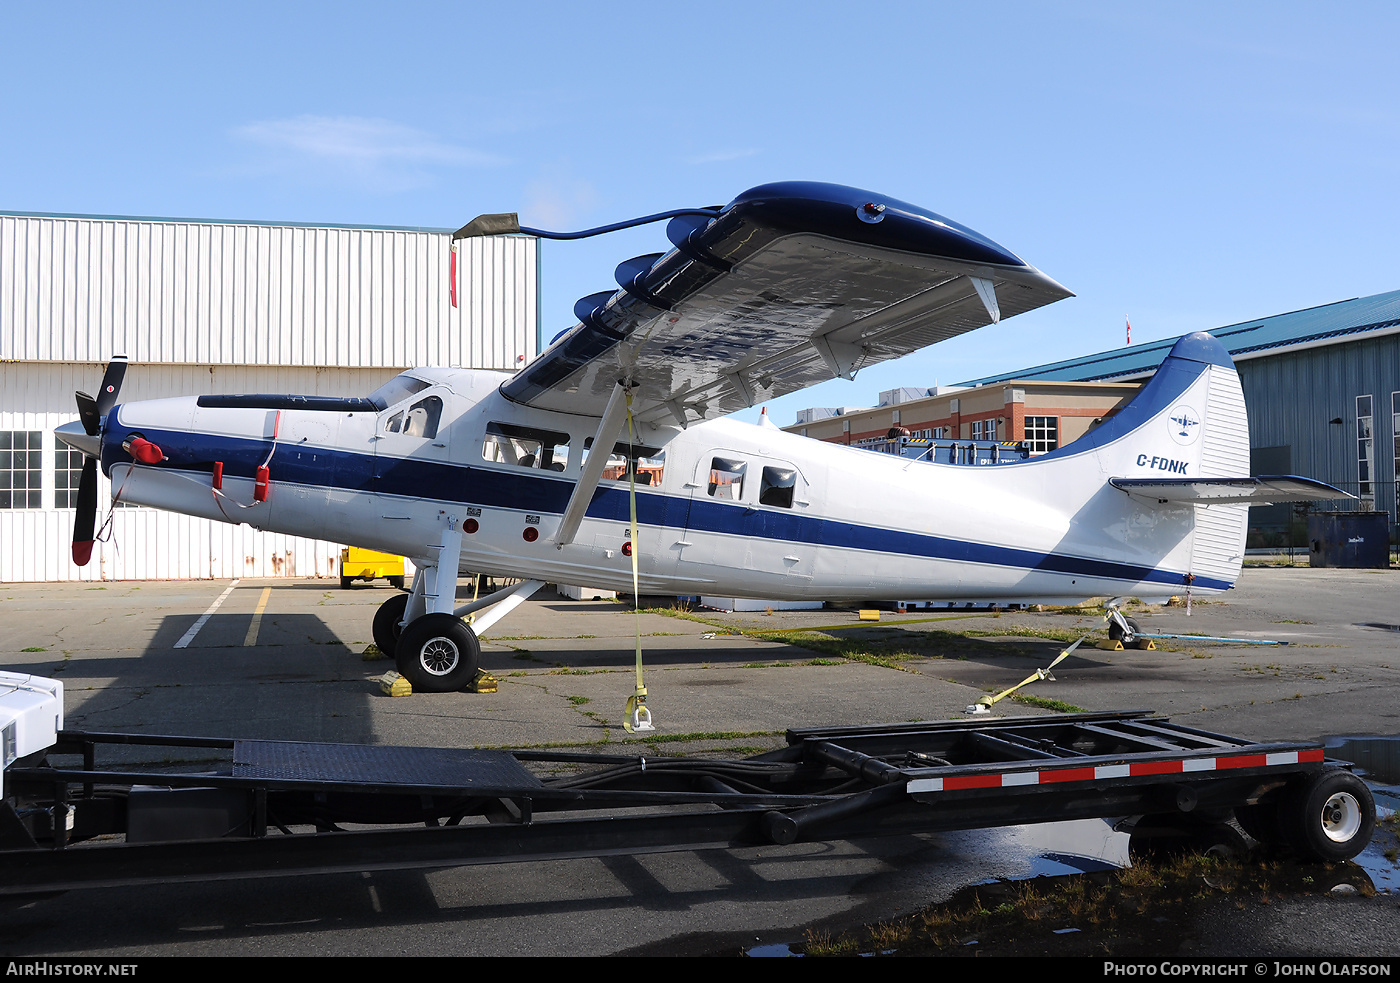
(91, 414)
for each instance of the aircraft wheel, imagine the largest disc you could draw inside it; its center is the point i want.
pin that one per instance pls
(386, 623)
(438, 653)
(1129, 638)
(1330, 817)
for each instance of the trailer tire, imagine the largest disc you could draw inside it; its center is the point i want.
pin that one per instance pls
(1129, 638)
(386, 624)
(345, 582)
(438, 653)
(1330, 817)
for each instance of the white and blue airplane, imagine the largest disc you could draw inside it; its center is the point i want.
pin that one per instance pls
(534, 475)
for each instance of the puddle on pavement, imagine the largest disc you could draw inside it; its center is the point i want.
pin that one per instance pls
(1377, 758)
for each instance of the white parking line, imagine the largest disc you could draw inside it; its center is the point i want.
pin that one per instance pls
(188, 636)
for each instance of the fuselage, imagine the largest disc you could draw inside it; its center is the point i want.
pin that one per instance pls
(723, 507)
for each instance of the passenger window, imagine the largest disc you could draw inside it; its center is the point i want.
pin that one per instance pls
(647, 463)
(777, 487)
(525, 447)
(419, 420)
(727, 479)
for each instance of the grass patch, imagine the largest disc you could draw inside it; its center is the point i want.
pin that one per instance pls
(34, 648)
(579, 701)
(1059, 706)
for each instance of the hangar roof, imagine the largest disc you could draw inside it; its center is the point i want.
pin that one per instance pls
(1344, 320)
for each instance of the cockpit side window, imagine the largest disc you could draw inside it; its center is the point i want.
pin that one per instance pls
(398, 388)
(727, 478)
(525, 447)
(419, 420)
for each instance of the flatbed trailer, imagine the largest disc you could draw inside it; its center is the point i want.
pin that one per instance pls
(68, 820)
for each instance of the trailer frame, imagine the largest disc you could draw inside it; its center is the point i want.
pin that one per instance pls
(283, 808)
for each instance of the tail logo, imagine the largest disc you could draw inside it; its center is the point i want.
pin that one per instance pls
(1184, 424)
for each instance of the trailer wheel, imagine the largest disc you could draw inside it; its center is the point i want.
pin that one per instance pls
(396, 583)
(1330, 817)
(438, 653)
(345, 582)
(1129, 638)
(386, 624)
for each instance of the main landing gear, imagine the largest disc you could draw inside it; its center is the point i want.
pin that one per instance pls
(423, 631)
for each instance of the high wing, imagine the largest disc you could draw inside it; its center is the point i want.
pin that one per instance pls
(788, 285)
(1267, 489)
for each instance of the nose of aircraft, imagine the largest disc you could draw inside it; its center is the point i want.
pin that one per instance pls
(76, 437)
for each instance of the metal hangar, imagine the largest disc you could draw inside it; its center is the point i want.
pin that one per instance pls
(215, 306)
(1323, 390)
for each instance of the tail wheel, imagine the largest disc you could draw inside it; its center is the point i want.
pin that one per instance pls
(386, 623)
(1330, 817)
(438, 653)
(1129, 638)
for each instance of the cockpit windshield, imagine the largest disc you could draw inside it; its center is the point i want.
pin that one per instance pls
(398, 388)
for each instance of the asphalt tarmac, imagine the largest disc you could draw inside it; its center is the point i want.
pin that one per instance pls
(566, 668)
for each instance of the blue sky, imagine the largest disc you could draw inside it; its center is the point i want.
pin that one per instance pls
(1184, 165)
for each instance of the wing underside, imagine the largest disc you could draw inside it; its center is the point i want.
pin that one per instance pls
(787, 286)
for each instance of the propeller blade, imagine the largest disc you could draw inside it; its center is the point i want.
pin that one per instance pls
(88, 414)
(85, 518)
(111, 384)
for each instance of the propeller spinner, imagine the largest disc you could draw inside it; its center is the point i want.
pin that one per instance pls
(86, 436)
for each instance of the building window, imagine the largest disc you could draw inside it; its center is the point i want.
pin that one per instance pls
(976, 429)
(1365, 453)
(991, 430)
(1395, 435)
(1042, 433)
(67, 475)
(21, 469)
(938, 433)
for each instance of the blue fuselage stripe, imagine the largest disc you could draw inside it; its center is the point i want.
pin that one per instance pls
(537, 492)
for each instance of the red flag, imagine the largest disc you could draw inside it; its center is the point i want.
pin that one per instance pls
(1125, 321)
(452, 277)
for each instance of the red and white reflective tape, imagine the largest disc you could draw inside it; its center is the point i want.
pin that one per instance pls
(1135, 769)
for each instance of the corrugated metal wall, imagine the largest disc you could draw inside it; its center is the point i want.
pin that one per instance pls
(78, 289)
(1294, 397)
(228, 307)
(147, 544)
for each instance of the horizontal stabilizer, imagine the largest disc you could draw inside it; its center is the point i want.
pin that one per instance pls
(1266, 489)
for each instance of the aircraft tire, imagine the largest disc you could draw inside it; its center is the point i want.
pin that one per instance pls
(386, 624)
(1129, 638)
(438, 653)
(1329, 817)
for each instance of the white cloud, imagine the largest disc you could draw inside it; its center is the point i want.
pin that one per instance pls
(556, 200)
(358, 149)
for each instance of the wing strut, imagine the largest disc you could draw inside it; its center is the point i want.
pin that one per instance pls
(608, 428)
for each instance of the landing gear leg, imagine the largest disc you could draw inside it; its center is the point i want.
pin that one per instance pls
(1125, 630)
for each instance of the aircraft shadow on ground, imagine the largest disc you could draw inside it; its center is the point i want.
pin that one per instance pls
(297, 682)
